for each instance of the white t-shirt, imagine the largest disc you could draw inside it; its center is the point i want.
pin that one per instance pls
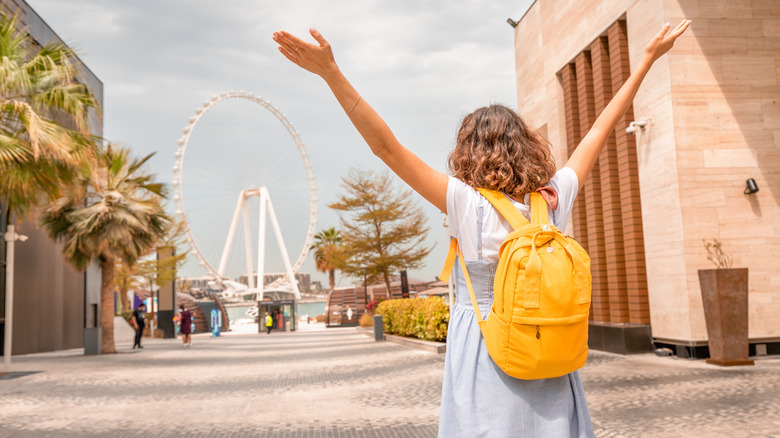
(464, 203)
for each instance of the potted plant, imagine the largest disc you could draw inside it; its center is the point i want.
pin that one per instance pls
(724, 293)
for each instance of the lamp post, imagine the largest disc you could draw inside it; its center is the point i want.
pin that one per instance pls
(151, 307)
(365, 288)
(10, 237)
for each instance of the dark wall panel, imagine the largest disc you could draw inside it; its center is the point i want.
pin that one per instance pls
(48, 297)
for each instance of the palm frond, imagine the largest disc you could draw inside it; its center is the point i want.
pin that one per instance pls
(44, 119)
(120, 219)
(13, 150)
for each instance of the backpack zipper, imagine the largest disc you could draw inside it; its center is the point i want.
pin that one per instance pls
(538, 335)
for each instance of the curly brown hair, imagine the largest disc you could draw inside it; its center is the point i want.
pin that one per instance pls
(495, 149)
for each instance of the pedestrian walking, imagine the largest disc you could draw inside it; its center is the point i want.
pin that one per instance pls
(185, 325)
(494, 149)
(269, 323)
(139, 322)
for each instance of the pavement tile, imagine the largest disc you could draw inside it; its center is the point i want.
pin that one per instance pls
(338, 383)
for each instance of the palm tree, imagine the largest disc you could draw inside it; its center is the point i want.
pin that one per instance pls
(45, 116)
(327, 253)
(121, 217)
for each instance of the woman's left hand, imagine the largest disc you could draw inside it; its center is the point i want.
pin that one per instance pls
(662, 43)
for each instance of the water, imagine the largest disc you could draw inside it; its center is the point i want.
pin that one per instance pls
(236, 314)
(239, 315)
(311, 309)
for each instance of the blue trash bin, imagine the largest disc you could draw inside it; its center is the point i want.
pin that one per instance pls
(215, 323)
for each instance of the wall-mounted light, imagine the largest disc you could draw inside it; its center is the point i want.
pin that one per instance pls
(636, 125)
(511, 22)
(751, 186)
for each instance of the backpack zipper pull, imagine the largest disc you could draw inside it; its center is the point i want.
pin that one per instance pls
(538, 335)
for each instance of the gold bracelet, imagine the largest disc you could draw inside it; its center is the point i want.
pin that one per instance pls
(354, 105)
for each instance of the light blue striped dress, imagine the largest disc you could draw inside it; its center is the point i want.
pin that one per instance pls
(478, 398)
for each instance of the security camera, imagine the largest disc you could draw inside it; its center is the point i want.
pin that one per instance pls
(636, 125)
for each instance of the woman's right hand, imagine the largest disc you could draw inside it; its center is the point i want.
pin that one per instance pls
(316, 58)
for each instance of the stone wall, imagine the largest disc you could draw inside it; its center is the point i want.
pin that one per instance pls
(725, 89)
(716, 110)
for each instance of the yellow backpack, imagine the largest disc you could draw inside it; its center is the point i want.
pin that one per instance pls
(538, 323)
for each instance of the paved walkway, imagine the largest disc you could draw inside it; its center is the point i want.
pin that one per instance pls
(335, 382)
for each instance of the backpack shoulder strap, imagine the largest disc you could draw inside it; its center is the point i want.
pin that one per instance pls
(450, 261)
(505, 207)
(447, 271)
(539, 214)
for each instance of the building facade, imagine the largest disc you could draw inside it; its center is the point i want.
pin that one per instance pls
(711, 109)
(53, 302)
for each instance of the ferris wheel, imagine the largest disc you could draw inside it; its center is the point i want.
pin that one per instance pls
(238, 145)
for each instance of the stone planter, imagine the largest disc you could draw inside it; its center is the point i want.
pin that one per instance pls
(725, 296)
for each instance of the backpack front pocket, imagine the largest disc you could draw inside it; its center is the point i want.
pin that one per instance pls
(555, 346)
(537, 348)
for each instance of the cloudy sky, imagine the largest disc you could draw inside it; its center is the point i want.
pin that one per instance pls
(421, 65)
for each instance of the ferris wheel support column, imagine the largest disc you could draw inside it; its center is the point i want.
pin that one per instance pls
(231, 234)
(261, 247)
(250, 279)
(265, 200)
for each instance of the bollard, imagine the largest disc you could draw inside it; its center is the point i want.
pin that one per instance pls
(379, 328)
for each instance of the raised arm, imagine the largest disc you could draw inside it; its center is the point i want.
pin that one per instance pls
(587, 152)
(318, 59)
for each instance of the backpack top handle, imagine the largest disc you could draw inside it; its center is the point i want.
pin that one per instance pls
(539, 214)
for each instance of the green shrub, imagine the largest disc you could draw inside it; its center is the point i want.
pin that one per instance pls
(366, 320)
(423, 318)
(127, 315)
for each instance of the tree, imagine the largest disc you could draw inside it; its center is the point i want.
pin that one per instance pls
(151, 270)
(125, 279)
(159, 271)
(383, 229)
(327, 253)
(121, 217)
(44, 126)
(44, 120)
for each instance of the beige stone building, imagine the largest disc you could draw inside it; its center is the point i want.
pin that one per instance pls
(713, 112)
